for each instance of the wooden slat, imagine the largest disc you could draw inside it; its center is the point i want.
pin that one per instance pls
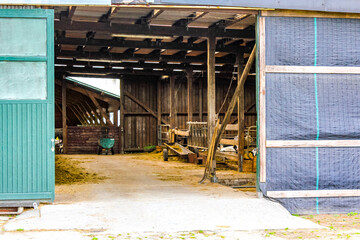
(312, 69)
(143, 105)
(231, 127)
(241, 113)
(311, 143)
(189, 97)
(314, 193)
(211, 86)
(122, 116)
(92, 97)
(172, 101)
(200, 100)
(262, 113)
(181, 133)
(311, 14)
(229, 141)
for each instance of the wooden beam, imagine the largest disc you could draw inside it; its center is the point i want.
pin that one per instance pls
(143, 105)
(189, 99)
(88, 113)
(219, 130)
(81, 114)
(140, 64)
(159, 102)
(122, 115)
(71, 13)
(76, 115)
(241, 112)
(312, 69)
(145, 57)
(151, 16)
(231, 127)
(211, 86)
(200, 99)
(189, 19)
(116, 117)
(262, 97)
(310, 14)
(148, 44)
(311, 143)
(60, 110)
(181, 133)
(176, 8)
(64, 116)
(98, 119)
(229, 141)
(140, 29)
(314, 193)
(102, 112)
(172, 101)
(237, 18)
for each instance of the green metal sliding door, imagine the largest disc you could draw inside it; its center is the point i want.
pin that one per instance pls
(27, 104)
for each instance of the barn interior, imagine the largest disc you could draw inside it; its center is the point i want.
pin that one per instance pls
(178, 69)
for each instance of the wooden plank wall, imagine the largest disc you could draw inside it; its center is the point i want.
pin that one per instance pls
(141, 127)
(84, 139)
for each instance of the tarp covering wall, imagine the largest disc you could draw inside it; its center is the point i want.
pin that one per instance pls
(313, 107)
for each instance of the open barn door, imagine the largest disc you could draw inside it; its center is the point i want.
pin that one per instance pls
(26, 105)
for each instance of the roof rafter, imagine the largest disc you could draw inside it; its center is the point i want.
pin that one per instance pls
(161, 31)
(149, 44)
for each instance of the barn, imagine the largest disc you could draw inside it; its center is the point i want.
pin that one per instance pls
(183, 67)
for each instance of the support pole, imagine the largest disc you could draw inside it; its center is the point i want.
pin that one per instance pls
(122, 116)
(200, 99)
(116, 116)
(172, 102)
(210, 170)
(211, 95)
(189, 74)
(241, 111)
(64, 123)
(159, 111)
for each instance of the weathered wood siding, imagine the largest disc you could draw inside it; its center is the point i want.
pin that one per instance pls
(141, 127)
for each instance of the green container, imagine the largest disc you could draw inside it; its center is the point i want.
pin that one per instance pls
(106, 143)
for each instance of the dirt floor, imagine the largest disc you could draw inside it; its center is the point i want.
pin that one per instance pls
(139, 196)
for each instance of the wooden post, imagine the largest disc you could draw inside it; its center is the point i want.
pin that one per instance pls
(172, 102)
(116, 118)
(122, 116)
(189, 74)
(64, 123)
(211, 95)
(159, 134)
(241, 112)
(200, 99)
(159, 102)
(262, 102)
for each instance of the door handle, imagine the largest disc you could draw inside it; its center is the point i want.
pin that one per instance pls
(52, 145)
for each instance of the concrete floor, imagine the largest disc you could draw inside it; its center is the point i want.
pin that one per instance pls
(144, 196)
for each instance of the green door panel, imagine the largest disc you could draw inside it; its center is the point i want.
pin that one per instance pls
(27, 104)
